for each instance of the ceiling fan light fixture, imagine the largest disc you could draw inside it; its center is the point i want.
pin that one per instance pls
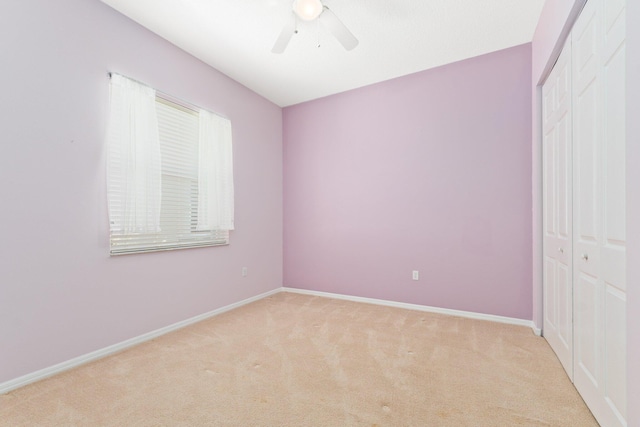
(307, 10)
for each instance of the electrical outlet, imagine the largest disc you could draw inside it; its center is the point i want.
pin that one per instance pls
(416, 275)
(245, 271)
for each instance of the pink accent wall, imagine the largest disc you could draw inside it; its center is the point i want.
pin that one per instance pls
(428, 172)
(61, 295)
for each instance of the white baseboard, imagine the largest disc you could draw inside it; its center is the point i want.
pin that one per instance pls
(107, 351)
(112, 349)
(426, 308)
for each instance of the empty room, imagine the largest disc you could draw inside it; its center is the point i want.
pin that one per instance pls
(320, 213)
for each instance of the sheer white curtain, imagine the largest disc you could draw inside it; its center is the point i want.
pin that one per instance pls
(215, 173)
(134, 159)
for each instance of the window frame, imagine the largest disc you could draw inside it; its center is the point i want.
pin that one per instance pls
(123, 243)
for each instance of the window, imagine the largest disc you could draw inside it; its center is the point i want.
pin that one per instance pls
(170, 175)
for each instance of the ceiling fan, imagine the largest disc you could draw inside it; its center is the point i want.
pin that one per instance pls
(310, 10)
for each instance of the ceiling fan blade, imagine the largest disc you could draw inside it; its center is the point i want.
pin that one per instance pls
(338, 29)
(287, 32)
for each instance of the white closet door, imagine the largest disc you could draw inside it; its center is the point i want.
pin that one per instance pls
(557, 211)
(599, 209)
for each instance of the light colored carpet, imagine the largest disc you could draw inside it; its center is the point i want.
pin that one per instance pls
(296, 360)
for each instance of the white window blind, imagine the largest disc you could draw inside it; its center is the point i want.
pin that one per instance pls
(179, 130)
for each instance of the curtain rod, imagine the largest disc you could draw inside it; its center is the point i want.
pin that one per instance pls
(181, 102)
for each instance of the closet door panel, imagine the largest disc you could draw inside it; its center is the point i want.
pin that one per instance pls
(557, 212)
(584, 209)
(614, 76)
(565, 306)
(550, 297)
(587, 342)
(587, 131)
(613, 251)
(585, 149)
(615, 354)
(564, 210)
(565, 222)
(615, 26)
(550, 178)
(599, 209)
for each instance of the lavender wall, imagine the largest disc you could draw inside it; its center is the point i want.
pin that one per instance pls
(61, 295)
(428, 172)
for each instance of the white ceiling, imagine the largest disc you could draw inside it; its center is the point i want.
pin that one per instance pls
(397, 37)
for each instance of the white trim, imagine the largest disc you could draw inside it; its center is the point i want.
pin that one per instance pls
(112, 349)
(107, 351)
(447, 311)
